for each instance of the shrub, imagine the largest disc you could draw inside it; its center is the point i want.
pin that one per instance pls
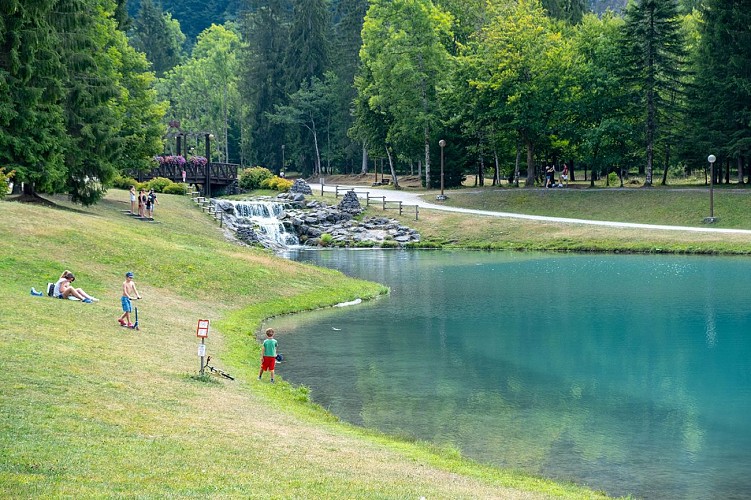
(5, 181)
(277, 183)
(251, 178)
(176, 188)
(158, 184)
(613, 179)
(121, 182)
(326, 239)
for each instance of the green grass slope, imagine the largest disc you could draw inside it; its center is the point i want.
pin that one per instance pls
(90, 409)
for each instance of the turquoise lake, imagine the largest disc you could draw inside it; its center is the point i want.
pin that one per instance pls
(628, 374)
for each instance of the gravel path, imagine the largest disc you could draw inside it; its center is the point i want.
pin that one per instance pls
(409, 198)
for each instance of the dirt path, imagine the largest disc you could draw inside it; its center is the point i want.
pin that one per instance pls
(409, 198)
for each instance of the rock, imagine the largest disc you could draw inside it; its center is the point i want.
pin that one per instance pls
(301, 187)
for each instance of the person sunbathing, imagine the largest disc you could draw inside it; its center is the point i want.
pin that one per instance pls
(64, 290)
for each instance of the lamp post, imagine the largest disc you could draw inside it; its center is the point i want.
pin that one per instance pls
(711, 159)
(282, 169)
(442, 196)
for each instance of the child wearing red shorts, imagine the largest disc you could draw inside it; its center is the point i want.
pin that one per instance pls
(268, 354)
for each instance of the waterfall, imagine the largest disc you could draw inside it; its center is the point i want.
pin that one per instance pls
(264, 217)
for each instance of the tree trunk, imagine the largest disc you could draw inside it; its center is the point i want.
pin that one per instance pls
(481, 171)
(497, 171)
(667, 162)
(364, 164)
(394, 180)
(516, 164)
(571, 176)
(740, 169)
(427, 158)
(530, 163)
(318, 153)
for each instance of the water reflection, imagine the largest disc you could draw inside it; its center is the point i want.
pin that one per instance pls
(626, 373)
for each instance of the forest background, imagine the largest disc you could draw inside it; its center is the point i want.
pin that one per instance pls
(89, 89)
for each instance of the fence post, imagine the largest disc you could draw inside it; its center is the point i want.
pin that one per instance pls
(400, 208)
(384, 203)
(417, 211)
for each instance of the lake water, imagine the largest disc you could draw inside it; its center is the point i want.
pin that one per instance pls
(630, 374)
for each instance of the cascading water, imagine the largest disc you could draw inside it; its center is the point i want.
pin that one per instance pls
(265, 216)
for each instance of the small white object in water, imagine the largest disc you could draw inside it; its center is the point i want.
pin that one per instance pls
(350, 303)
(336, 329)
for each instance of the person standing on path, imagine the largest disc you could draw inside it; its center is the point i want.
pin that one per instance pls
(268, 354)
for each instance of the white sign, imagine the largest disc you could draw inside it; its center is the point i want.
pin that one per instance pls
(203, 328)
(202, 350)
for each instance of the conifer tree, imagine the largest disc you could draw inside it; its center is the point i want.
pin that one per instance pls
(263, 82)
(158, 35)
(32, 136)
(307, 53)
(720, 100)
(654, 56)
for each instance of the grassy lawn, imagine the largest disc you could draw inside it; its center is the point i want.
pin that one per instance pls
(668, 206)
(89, 409)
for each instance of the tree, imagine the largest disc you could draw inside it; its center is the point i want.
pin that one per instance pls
(653, 60)
(529, 67)
(307, 54)
(309, 107)
(32, 133)
(720, 99)
(404, 52)
(348, 20)
(262, 84)
(597, 106)
(203, 90)
(158, 35)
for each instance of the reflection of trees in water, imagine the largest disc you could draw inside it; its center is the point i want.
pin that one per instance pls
(596, 369)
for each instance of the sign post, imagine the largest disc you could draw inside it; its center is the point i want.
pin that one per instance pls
(202, 332)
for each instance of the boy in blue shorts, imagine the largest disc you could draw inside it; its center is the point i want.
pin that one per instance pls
(129, 289)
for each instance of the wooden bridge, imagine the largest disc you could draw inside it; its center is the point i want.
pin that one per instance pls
(208, 177)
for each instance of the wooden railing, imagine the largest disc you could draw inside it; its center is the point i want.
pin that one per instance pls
(220, 173)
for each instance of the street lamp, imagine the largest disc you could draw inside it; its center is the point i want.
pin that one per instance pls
(282, 169)
(442, 196)
(711, 159)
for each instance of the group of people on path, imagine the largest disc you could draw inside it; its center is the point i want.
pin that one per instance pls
(146, 202)
(550, 180)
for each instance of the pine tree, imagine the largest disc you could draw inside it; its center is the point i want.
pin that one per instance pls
(654, 55)
(348, 17)
(158, 35)
(721, 97)
(91, 119)
(32, 136)
(263, 83)
(307, 54)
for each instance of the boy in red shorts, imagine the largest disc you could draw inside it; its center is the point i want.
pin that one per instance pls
(268, 354)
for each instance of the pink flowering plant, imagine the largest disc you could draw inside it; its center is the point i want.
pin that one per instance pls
(175, 161)
(197, 161)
